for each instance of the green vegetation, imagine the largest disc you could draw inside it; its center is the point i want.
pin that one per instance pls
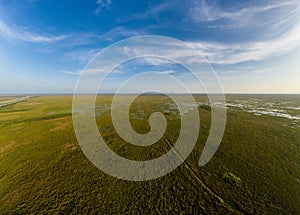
(230, 178)
(205, 107)
(43, 170)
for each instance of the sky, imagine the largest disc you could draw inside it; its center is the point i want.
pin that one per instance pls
(253, 46)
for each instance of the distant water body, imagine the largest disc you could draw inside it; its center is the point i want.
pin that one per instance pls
(279, 105)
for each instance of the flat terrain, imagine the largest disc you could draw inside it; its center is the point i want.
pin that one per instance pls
(256, 169)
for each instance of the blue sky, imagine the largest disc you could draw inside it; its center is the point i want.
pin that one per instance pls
(252, 45)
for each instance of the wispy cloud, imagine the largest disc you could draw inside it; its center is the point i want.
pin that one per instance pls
(121, 31)
(151, 12)
(219, 53)
(278, 21)
(88, 71)
(168, 72)
(281, 41)
(226, 53)
(80, 55)
(156, 61)
(102, 4)
(281, 20)
(266, 13)
(13, 33)
(71, 72)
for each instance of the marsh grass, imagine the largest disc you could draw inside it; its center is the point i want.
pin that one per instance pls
(43, 170)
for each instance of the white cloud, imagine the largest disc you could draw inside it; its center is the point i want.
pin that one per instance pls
(279, 18)
(224, 53)
(214, 52)
(102, 4)
(263, 14)
(120, 31)
(250, 51)
(157, 61)
(87, 71)
(168, 72)
(81, 55)
(71, 72)
(12, 33)
(151, 12)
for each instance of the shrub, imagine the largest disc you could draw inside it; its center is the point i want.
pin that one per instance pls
(231, 178)
(205, 107)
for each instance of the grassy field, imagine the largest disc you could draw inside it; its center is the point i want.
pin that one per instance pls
(256, 169)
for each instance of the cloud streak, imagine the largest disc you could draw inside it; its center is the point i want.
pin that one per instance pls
(88, 71)
(102, 4)
(12, 33)
(120, 31)
(151, 12)
(277, 42)
(81, 55)
(220, 53)
(280, 21)
(229, 53)
(214, 52)
(270, 14)
(71, 72)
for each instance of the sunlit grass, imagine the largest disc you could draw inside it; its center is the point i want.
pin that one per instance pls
(43, 169)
